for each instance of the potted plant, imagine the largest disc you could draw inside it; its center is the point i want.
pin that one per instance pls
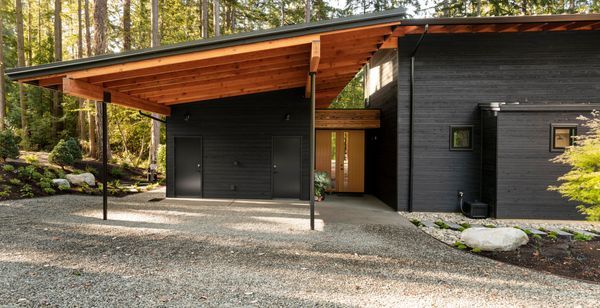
(322, 182)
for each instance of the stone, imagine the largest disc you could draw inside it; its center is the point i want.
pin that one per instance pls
(79, 179)
(494, 239)
(453, 226)
(61, 183)
(429, 224)
(560, 232)
(533, 230)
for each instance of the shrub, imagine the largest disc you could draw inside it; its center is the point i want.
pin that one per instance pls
(322, 182)
(582, 237)
(61, 155)
(26, 191)
(582, 181)
(8, 145)
(117, 172)
(8, 168)
(74, 149)
(15, 182)
(49, 190)
(31, 159)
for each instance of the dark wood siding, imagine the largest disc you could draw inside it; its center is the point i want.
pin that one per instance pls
(524, 167)
(381, 177)
(454, 73)
(241, 129)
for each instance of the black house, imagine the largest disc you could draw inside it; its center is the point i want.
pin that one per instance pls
(246, 114)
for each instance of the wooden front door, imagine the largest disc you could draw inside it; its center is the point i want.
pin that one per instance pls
(341, 153)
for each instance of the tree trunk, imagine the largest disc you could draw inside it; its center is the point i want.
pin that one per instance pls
(21, 62)
(2, 95)
(217, 17)
(57, 101)
(282, 17)
(154, 125)
(307, 11)
(127, 25)
(81, 107)
(90, 115)
(204, 19)
(100, 45)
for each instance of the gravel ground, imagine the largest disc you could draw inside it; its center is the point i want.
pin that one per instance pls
(449, 236)
(57, 251)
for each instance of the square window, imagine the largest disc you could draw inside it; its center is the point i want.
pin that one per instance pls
(562, 136)
(461, 137)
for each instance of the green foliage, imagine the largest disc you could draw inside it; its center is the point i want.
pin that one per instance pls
(352, 96)
(415, 222)
(92, 170)
(26, 191)
(5, 192)
(460, 245)
(476, 250)
(322, 182)
(465, 225)
(65, 153)
(8, 145)
(553, 235)
(31, 159)
(442, 224)
(162, 158)
(8, 168)
(582, 182)
(537, 236)
(582, 237)
(117, 172)
(15, 181)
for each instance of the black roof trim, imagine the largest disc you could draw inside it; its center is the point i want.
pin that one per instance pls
(540, 107)
(395, 15)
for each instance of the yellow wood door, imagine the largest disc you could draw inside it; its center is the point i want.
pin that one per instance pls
(350, 161)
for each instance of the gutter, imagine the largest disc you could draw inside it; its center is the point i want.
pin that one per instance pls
(412, 120)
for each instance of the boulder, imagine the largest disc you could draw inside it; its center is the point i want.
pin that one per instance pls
(494, 239)
(78, 179)
(61, 182)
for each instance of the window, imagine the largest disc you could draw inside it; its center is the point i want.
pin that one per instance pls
(562, 136)
(461, 137)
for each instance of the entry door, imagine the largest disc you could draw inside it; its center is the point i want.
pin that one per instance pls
(342, 155)
(286, 166)
(188, 166)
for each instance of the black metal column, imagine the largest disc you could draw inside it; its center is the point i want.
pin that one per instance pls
(312, 149)
(105, 101)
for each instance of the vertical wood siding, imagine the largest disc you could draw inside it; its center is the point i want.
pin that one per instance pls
(454, 73)
(524, 168)
(240, 129)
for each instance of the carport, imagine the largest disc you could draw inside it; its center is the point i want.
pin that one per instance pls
(320, 57)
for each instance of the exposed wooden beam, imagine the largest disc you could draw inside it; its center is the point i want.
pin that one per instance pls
(194, 56)
(86, 90)
(315, 56)
(347, 118)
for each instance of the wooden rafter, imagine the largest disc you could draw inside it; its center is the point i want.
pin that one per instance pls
(86, 90)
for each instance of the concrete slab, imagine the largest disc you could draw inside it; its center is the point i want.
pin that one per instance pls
(364, 209)
(533, 230)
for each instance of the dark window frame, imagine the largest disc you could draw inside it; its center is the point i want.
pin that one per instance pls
(471, 135)
(573, 129)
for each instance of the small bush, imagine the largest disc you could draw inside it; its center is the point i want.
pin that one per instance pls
(117, 172)
(74, 149)
(61, 155)
(31, 159)
(442, 224)
(26, 191)
(49, 174)
(476, 250)
(8, 145)
(8, 168)
(90, 169)
(5, 192)
(322, 182)
(460, 245)
(582, 237)
(15, 182)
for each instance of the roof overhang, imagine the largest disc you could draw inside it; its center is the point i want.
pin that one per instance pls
(156, 78)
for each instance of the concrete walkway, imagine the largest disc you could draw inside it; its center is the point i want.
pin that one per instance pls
(57, 251)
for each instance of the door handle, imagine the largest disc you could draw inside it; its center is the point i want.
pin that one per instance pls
(198, 166)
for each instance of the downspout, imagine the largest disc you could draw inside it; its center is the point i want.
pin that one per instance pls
(412, 120)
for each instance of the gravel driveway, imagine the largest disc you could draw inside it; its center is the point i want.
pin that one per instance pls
(57, 251)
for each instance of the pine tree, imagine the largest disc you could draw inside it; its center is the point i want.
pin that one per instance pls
(2, 86)
(21, 62)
